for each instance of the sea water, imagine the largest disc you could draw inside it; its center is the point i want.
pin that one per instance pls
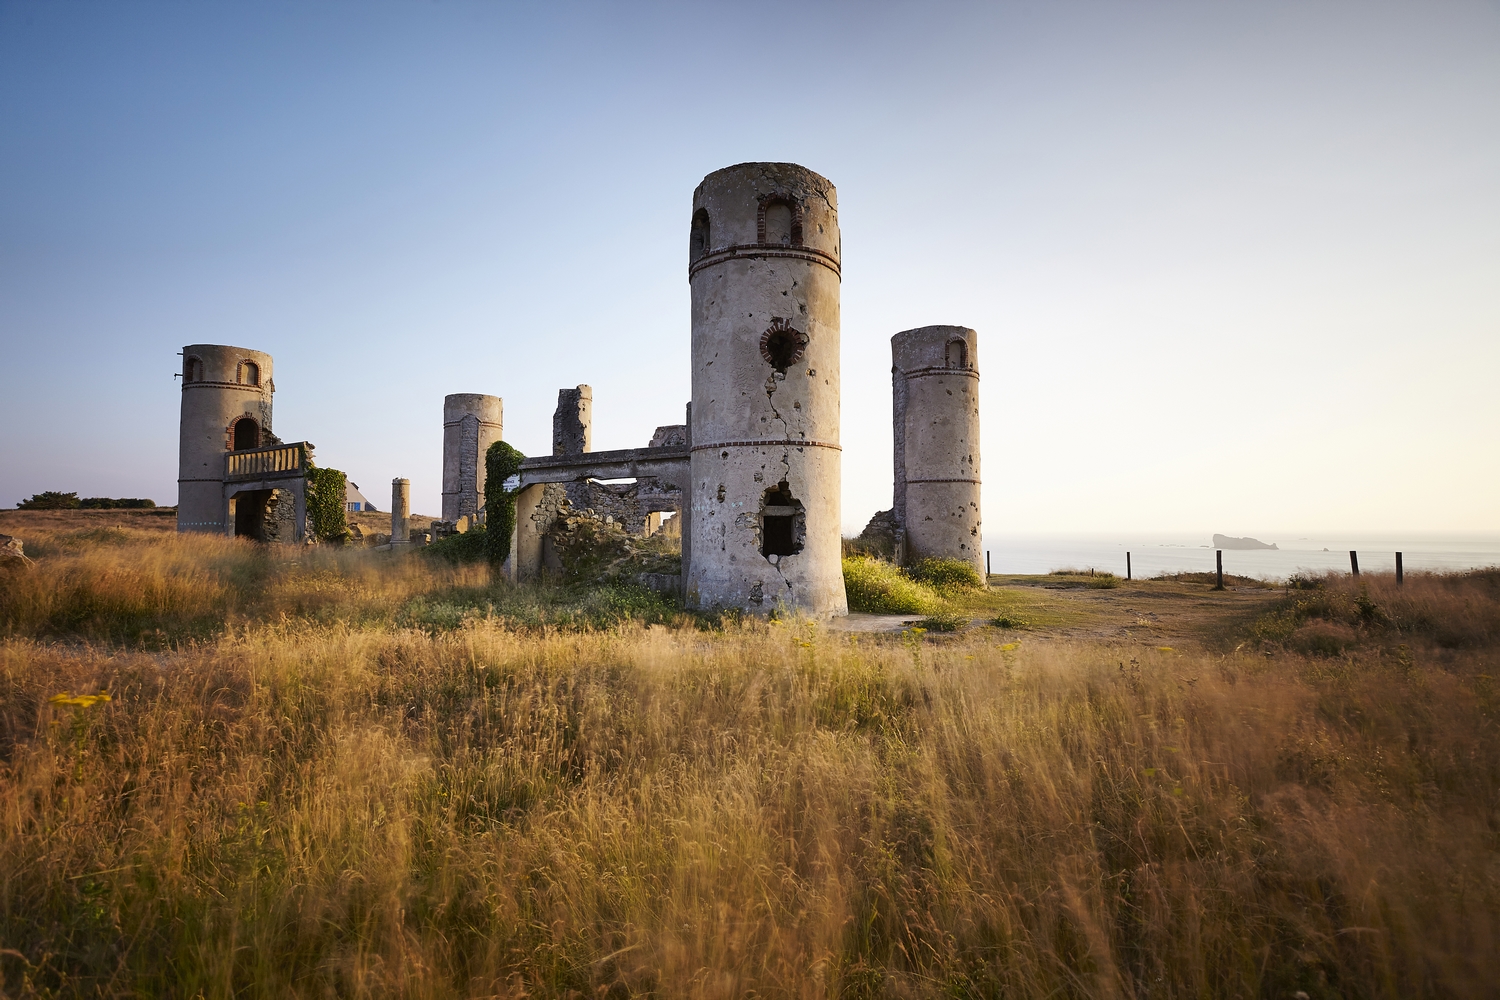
(1303, 552)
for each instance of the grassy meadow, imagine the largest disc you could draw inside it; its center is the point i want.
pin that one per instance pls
(359, 774)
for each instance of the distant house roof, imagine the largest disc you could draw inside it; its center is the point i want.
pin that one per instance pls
(352, 495)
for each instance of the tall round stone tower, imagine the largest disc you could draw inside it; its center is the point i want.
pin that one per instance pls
(471, 423)
(935, 389)
(226, 406)
(763, 265)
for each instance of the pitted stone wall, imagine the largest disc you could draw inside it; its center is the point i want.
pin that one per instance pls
(764, 258)
(573, 421)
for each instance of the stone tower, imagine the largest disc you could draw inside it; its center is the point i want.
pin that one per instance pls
(763, 266)
(573, 421)
(226, 406)
(935, 389)
(471, 423)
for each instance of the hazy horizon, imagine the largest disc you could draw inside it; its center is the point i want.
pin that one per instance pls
(1231, 268)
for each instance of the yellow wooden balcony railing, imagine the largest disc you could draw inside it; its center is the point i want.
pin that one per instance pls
(282, 461)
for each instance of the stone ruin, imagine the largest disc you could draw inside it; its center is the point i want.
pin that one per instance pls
(236, 477)
(754, 472)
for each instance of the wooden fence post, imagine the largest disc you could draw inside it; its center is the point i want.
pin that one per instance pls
(1127, 565)
(1399, 575)
(986, 562)
(1219, 558)
(1354, 562)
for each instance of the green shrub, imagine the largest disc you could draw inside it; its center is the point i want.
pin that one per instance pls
(879, 588)
(116, 503)
(500, 463)
(1009, 619)
(50, 500)
(946, 574)
(945, 621)
(327, 494)
(468, 547)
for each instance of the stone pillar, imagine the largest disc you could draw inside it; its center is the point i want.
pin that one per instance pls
(400, 511)
(226, 406)
(573, 421)
(471, 423)
(763, 266)
(935, 392)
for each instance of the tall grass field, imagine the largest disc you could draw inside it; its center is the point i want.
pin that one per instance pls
(343, 773)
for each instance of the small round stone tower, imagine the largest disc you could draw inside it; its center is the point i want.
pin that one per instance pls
(763, 266)
(471, 423)
(226, 406)
(935, 389)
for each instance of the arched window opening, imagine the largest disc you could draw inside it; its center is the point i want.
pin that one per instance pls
(192, 370)
(783, 523)
(778, 224)
(956, 355)
(698, 238)
(249, 373)
(246, 434)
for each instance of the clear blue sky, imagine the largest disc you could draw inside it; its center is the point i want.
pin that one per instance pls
(1234, 267)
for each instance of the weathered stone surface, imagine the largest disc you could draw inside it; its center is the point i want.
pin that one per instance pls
(471, 423)
(573, 421)
(400, 511)
(764, 253)
(880, 533)
(13, 554)
(935, 391)
(670, 436)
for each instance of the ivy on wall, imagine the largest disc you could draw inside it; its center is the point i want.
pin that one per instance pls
(501, 462)
(327, 490)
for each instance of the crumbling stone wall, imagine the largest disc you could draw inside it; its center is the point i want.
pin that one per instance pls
(280, 524)
(573, 421)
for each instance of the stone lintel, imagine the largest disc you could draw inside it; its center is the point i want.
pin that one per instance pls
(628, 463)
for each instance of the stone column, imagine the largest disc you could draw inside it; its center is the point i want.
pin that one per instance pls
(935, 389)
(400, 511)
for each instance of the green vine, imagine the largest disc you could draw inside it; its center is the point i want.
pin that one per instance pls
(500, 463)
(327, 493)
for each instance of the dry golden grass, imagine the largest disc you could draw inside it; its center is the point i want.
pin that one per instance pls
(315, 804)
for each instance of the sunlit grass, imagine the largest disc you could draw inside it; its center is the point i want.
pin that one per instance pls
(367, 776)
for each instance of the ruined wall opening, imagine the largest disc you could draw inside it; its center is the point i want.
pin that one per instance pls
(783, 523)
(246, 434)
(250, 514)
(956, 354)
(781, 345)
(249, 373)
(698, 238)
(192, 370)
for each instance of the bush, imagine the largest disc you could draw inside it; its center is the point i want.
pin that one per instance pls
(327, 493)
(879, 588)
(50, 500)
(1089, 578)
(116, 503)
(946, 574)
(500, 463)
(945, 621)
(467, 547)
